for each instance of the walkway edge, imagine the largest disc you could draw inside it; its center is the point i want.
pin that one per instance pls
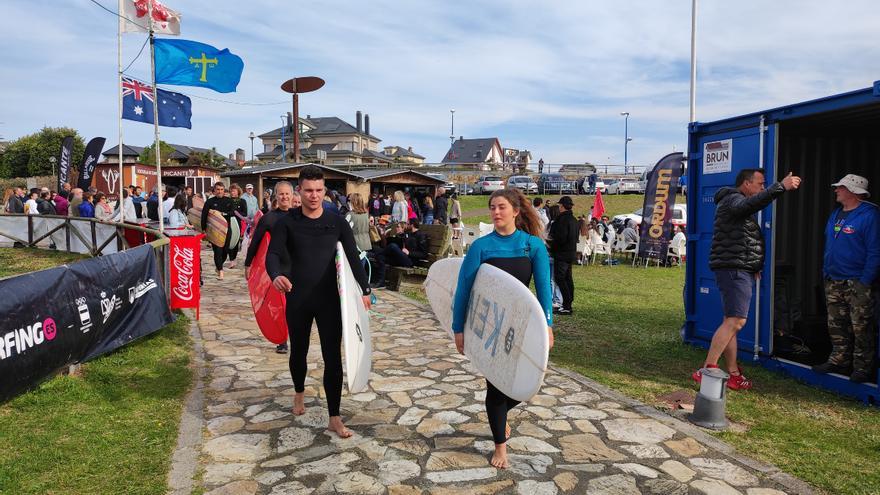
(185, 460)
(791, 483)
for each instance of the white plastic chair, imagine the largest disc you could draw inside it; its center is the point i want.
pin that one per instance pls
(486, 229)
(677, 251)
(598, 246)
(584, 248)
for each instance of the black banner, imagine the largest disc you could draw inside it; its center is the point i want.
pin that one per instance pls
(73, 313)
(64, 162)
(660, 190)
(90, 160)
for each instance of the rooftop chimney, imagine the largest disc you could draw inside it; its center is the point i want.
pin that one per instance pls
(367, 124)
(410, 149)
(461, 138)
(358, 117)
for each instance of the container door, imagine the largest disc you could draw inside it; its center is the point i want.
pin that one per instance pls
(714, 161)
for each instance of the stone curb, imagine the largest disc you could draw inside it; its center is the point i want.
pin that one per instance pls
(185, 459)
(791, 483)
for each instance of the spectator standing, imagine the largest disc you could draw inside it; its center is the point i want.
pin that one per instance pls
(239, 212)
(542, 213)
(399, 213)
(75, 200)
(267, 200)
(411, 211)
(168, 200)
(30, 206)
(14, 202)
(250, 200)
(441, 207)
(376, 205)
(153, 205)
(454, 207)
(189, 192)
(563, 250)
(850, 267)
(359, 220)
(103, 211)
(127, 204)
(86, 208)
(61, 205)
(737, 257)
(428, 210)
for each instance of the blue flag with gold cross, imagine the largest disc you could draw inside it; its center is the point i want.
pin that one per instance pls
(190, 63)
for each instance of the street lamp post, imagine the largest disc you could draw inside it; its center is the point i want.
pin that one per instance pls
(283, 147)
(626, 140)
(52, 160)
(452, 140)
(252, 136)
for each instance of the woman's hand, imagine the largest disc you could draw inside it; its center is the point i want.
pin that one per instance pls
(459, 342)
(550, 335)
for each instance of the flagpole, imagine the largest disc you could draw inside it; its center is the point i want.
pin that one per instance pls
(120, 201)
(156, 150)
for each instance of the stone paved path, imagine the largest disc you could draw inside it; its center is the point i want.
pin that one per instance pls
(421, 428)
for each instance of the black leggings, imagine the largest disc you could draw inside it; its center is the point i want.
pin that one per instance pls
(497, 405)
(219, 256)
(325, 310)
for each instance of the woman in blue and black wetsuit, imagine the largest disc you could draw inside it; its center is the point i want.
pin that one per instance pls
(517, 247)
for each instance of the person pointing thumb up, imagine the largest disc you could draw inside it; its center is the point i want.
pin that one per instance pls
(791, 182)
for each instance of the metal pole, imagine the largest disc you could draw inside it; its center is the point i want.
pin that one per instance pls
(295, 127)
(283, 147)
(693, 115)
(157, 149)
(452, 143)
(625, 143)
(119, 89)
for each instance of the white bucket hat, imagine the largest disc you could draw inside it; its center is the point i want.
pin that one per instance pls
(855, 183)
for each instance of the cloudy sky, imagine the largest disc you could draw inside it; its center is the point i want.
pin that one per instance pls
(551, 77)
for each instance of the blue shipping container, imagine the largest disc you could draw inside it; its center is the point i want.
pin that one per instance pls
(821, 141)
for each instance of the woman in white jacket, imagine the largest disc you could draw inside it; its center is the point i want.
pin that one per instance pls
(399, 212)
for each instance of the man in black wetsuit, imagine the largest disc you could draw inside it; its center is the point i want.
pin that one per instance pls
(222, 203)
(308, 236)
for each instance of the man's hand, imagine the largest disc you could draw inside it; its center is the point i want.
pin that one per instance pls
(405, 251)
(459, 342)
(367, 302)
(550, 334)
(791, 182)
(281, 283)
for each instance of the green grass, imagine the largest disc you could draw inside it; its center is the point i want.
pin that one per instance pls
(625, 334)
(471, 206)
(110, 430)
(16, 261)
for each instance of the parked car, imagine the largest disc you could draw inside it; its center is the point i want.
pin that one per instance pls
(679, 216)
(583, 186)
(488, 184)
(554, 183)
(623, 186)
(448, 185)
(523, 183)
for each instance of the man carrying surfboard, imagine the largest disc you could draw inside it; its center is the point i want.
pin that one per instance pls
(222, 203)
(516, 247)
(286, 200)
(308, 237)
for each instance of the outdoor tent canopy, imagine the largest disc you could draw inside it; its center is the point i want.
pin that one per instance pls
(821, 141)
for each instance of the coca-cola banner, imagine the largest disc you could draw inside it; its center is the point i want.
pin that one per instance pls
(185, 271)
(73, 313)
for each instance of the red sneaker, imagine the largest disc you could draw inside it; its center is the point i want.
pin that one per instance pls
(697, 376)
(739, 382)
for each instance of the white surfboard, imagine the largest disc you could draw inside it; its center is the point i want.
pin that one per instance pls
(505, 334)
(355, 325)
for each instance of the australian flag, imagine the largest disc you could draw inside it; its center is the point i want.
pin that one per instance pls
(175, 109)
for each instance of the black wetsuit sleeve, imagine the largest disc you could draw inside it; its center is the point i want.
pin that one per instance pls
(257, 238)
(352, 253)
(205, 209)
(277, 248)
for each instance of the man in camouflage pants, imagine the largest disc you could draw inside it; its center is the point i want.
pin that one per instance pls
(850, 266)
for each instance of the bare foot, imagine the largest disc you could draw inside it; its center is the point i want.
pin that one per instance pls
(337, 427)
(299, 403)
(499, 458)
(220, 274)
(507, 430)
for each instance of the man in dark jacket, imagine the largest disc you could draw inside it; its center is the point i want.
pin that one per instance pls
(850, 266)
(441, 207)
(563, 248)
(737, 258)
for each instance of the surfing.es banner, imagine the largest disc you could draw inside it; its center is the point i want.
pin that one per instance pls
(73, 313)
(660, 190)
(90, 161)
